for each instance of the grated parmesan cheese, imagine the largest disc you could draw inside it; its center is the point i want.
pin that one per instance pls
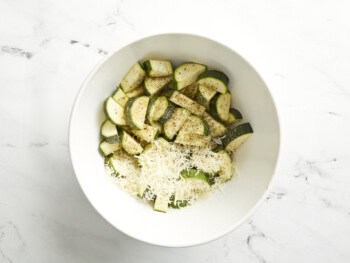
(157, 171)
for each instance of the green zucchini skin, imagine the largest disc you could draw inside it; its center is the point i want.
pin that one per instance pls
(235, 135)
(168, 113)
(131, 114)
(234, 116)
(215, 79)
(215, 106)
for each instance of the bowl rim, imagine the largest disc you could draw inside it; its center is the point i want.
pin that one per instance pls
(232, 227)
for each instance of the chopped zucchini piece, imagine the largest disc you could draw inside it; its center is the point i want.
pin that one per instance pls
(140, 90)
(135, 111)
(214, 79)
(109, 131)
(227, 169)
(109, 148)
(170, 109)
(190, 91)
(155, 85)
(174, 124)
(195, 174)
(216, 128)
(129, 144)
(174, 203)
(114, 112)
(120, 97)
(192, 139)
(219, 106)
(204, 95)
(161, 204)
(148, 133)
(195, 124)
(187, 103)
(236, 136)
(167, 91)
(158, 68)
(133, 78)
(234, 116)
(186, 74)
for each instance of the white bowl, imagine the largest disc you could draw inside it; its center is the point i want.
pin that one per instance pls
(211, 217)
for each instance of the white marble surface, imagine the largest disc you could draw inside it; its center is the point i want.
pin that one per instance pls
(301, 48)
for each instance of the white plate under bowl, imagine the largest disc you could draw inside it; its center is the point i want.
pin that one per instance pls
(211, 217)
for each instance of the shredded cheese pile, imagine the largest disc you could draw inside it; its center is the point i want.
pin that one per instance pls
(158, 169)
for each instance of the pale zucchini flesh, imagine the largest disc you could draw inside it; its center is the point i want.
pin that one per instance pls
(158, 68)
(204, 95)
(155, 85)
(192, 139)
(190, 91)
(129, 144)
(219, 106)
(195, 124)
(227, 169)
(187, 73)
(140, 90)
(174, 124)
(120, 97)
(234, 116)
(157, 107)
(109, 131)
(214, 79)
(187, 103)
(109, 148)
(161, 204)
(133, 78)
(148, 133)
(236, 136)
(114, 112)
(216, 128)
(135, 111)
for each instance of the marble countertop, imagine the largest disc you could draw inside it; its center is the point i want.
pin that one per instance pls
(301, 48)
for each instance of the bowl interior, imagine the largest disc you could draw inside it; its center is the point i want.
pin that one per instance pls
(208, 218)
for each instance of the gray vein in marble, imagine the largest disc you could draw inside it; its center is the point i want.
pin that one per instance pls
(276, 196)
(7, 145)
(99, 50)
(306, 167)
(279, 75)
(334, 113)
(11, 230)
(14, 51)
(335, 83)
(256, 234)
(38, 144)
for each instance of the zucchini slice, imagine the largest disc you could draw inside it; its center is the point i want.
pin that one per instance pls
(161, 116)
(216, 128)
(187, 103)
(204, 95)
(186, 74)
(129, 144)
(195, 124)
(140, 90)
(133, 78)
(155, 85)
(214, 79)
(161, 204)
(219, 106)
(157, 107)
(227, 169)
(190, 91)
(109, 148)
(109, 131)
(168, 91)
(195, 174)
(236, 136)
(114, 112)
(135, 111)
(174, 124)
(148, 133)
(175, 203)
(234, 116)
(120, 97)
(158, 68)
(192, 139)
